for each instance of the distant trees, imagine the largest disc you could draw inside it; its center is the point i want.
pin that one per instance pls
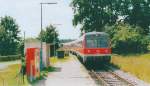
(9, 39)
(66, 40)
(49, 35)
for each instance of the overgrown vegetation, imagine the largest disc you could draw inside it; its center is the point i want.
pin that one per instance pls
(127, 39)
(137, 65)
(11, 77)
(9, 39)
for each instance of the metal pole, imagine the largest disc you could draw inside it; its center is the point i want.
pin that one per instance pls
(54, 43)
(24, 44)
(41, 52)
(24, 36)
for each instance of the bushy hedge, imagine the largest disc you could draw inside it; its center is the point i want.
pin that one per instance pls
(10, 57)
(127, 39)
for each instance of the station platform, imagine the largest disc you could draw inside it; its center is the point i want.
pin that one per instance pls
(70, 73)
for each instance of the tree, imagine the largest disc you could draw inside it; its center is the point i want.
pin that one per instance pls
(66, 40)
(49, 35)
(93, 15)
(127, 39)
(136, 12)
(21, 48)
(9, 38)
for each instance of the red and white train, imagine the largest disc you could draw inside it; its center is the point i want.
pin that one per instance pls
(91, 46)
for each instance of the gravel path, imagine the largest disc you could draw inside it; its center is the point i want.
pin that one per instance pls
(131, 78)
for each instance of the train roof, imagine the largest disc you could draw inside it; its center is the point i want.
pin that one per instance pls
(90, 33)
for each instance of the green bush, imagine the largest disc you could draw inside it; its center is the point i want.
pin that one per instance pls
(10, 57)
(127, 39)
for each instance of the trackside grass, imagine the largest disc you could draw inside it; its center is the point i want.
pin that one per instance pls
(138, 65)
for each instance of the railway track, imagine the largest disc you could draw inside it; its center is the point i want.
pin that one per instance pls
(109, 78)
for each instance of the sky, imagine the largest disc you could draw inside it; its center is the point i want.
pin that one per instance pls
(28, 17)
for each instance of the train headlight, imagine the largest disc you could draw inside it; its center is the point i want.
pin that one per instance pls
(106, 51)
(97, 51)
(88, 51)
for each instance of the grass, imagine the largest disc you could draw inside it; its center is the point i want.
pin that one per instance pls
(138, 65)
(54, 60)
(11, 77)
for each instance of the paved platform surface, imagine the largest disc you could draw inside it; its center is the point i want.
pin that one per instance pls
(70, 73)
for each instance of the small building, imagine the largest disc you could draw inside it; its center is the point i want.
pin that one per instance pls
(34, 43)
(33, 63)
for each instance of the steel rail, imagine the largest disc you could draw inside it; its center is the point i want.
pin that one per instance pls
(111, 71)
(106, 81)
(103, 82)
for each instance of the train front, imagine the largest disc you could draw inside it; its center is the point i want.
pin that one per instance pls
(97, 47)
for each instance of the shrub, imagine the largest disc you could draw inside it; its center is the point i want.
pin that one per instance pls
(127, 39)
(10, 57)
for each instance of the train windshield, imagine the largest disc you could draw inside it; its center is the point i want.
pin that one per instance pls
(97, 41)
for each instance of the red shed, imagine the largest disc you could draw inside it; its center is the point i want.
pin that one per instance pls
(33, 62)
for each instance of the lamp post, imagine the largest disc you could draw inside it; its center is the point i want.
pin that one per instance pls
(41, 51)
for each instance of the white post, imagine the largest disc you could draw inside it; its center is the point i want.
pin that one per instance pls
(31, 76)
